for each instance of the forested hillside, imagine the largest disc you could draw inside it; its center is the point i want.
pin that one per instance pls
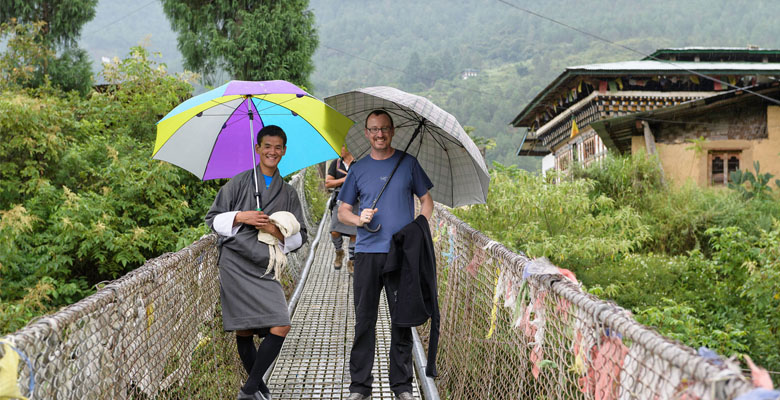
(423, 47)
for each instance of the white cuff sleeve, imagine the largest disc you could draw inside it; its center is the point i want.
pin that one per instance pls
(223, 224)
(293, 242)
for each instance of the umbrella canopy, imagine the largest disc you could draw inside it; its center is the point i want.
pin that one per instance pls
(213, 134)
(444, 150)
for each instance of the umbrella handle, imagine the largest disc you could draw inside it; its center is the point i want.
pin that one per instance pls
(372, 230)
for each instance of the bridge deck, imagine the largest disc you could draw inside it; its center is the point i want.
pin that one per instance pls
(314, 362)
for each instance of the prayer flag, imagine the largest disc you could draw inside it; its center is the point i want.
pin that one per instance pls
(574, 130)
(695, 79)
(602, 86)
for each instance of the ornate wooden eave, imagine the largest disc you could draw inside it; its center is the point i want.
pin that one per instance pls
(598, 106)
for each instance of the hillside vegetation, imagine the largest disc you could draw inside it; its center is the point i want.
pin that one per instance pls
(81, 200)
(700, 265)
(424, 46)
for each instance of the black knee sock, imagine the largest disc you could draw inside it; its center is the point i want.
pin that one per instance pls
(266, 354)
(246, 351)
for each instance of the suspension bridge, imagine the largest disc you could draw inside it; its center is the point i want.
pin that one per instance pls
(511, 328)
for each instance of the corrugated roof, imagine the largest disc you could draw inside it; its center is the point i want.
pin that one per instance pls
(710, 50)
(651, 66)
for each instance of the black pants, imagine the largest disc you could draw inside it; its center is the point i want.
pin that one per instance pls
(368, 285)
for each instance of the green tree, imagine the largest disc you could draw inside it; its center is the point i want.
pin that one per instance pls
(248, 40)
(81, 199)
(63, 19)
(60, 31)
(22, 55)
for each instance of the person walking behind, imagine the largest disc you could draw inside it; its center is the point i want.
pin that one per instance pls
(394, 210)
(253, 302)
(337, 173)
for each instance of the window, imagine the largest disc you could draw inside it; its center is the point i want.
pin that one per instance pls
(589, 148)
(721, 165)
(564, 160)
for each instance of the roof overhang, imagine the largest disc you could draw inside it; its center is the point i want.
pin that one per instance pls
(616, 132)
(639, 69)
(710, 50)
(531, 146)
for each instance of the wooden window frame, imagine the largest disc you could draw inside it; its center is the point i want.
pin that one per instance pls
(564, 161)
(726, 156)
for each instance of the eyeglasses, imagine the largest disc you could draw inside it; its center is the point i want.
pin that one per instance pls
(374, 130)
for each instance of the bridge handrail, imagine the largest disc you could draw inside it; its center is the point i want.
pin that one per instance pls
(155, 332)
(544, 337)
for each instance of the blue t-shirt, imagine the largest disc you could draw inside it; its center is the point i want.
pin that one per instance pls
(395, 208)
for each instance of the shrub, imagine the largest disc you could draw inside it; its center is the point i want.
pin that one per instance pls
(625, 179)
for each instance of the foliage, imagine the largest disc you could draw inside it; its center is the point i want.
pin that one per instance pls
(626, 180)
(749, 185)
(560, 222)
(81, 199)
(700, 265)
(23, 54)
(70, 71)
(63, 19)
(248, 40)
(57, 26)
(316, 195)
(482, 143)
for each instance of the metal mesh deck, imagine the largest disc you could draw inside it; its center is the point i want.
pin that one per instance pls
(314, 362)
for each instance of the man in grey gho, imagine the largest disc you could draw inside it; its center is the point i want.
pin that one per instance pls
(253, 301)
(394, 210)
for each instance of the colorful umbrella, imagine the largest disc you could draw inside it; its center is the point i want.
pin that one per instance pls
(213, 134)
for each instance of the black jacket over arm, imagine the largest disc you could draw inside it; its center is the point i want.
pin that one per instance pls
(410, 280)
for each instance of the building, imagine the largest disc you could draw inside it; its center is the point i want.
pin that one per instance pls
(469, 73)
(660, 104)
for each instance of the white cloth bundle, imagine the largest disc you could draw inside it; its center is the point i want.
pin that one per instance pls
(289, 226)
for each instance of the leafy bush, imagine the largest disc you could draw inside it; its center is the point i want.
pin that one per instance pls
(81, 200)
(700, 265)
(752, 186)
(315, 195)
(564, 222)
(626, 180)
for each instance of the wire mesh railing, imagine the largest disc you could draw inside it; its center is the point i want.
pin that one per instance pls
(511, 328)
(154, 333)
(516, 328)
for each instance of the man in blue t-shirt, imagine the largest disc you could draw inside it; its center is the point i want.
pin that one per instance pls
(394, 210)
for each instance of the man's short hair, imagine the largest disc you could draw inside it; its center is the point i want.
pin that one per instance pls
(379, 112)
(271, 130)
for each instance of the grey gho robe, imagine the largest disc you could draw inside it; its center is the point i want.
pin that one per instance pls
(249, 299)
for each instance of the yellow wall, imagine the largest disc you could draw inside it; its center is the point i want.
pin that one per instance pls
(767, 151)
(681, 165)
